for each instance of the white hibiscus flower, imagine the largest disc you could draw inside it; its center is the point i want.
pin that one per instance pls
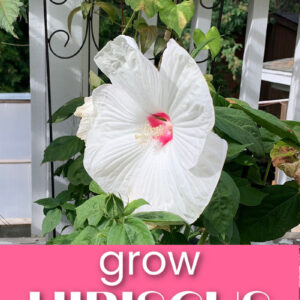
(87, 114)
(152, 136)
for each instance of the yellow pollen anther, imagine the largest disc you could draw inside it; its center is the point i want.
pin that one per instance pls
(148, 133)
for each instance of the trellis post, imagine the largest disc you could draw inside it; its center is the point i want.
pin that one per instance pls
(293, 112)
(258, 11)
(40, 173)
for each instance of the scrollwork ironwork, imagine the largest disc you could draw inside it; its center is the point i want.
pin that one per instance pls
(88, 31)
(58, 3)
(87, 37)
(209, 7)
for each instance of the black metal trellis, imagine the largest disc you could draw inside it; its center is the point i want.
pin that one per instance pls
(89, 37)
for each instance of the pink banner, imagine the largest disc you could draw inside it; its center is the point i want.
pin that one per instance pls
(149, 272)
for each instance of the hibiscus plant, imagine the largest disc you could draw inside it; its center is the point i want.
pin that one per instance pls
(160, 157)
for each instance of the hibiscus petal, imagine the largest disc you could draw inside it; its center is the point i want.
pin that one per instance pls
(87, 114)
(156, 174)
(186, 92)
(111, 147)
(171, 187)
(187, 101)
(113, 165)
(116, 114)
(126, 66)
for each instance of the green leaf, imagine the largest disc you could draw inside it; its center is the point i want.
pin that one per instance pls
(283, 149)
(240, 127)
(211, 40)
(145, 5)
(91, 210)
(63, 197)
(235, 236)
(175, 16)
(85, 8)
(86, 236)
(114, 206)
(269, 139)
(160, 218)
(231, 237)
(63, 169)
(245, 160)
(196, 51)
(9, 11)
(235, 149)
(69, 206)
(148, 35)
(215, 43)
(199, 37)
(77, 192)
(103, 231)
(65, 239)
(218, 99)
(51, 220)
(266, 120)
(295, 126)
(109, 9)
(59, 170)
(209, 79)
(254, 175)
(60, 199)
(94, 80)
(67, 110)
(278, 213)
(249, 196)
(71, 16)
(224, 204)
(101, 237)
(71, 216)
(131, 232)
(63, 148)
(132, 206)
(159, 46)
(48, 202)
(95, 188)
(77, 173)
(174, 238)
(157, 234)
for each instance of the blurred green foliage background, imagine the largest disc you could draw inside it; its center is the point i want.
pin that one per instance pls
(14, 56)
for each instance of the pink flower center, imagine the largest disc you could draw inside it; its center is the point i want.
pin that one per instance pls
(163, 127)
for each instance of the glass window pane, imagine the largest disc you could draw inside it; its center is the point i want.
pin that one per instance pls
(15, 190)
(15, 143)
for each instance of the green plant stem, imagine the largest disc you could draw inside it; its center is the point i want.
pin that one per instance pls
(122, 16)
(167, 35)
(203, 238)
(129, 22)
(267, 171)
(136, 32)
(193, 235)
(187, 230)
